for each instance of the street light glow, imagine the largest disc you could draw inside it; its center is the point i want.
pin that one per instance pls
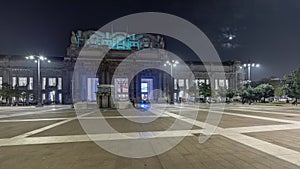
(172, 64)
(37, 59)
(250, 66)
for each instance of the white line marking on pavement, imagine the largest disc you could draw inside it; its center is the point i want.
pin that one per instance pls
(32, 112)
(84, 118)
(248, 116)
(234, 134)
(96, 137)
(286, 154)
(32, 120)
(47, 127)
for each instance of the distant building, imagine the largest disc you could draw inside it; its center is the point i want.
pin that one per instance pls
(22, 73)
(56, 77)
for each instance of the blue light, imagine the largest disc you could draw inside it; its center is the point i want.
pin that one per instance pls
(144, 106)
(117, 40)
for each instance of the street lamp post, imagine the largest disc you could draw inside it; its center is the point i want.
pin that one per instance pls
(249, 66)
(38, 59)
(172, 64)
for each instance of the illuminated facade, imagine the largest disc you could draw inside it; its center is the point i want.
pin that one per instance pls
(22, 74)
(56, 77)
(122, 45)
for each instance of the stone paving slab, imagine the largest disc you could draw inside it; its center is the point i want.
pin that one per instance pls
(230, 121)
(217, 152)
(123, 113)
(61, 113)
(220, 151)
(11, 129)
(121, 125)
(285, 138)
(287, 117)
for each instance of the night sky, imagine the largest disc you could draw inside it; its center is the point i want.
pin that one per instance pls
(263, 31)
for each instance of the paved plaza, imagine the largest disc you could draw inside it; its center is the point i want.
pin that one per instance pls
(247, 136)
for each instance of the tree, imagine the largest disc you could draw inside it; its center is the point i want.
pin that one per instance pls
(264, 91)
(292, 85)
(205, 90)
(278, 91)
(230, 93)
(249, 94)
(6, 93)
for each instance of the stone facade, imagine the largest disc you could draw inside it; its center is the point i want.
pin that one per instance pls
(56, 77)
(22, 73)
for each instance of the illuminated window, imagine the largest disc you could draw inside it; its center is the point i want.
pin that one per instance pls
(144, 87)
(60, 98)
(92, 84)
(227, 84)
(221, 83)
(202, 81)
(14, 81)
(30, 86)
(22, 81)
(59, 83)
(181, 82)
(43, 83)
(121, 88)
(52, 81)
(216, 84)
(207, 81)
(43, 97)
(1, 82)
(187, 83)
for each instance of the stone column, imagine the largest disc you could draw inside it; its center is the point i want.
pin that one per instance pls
(138, 87)
(160, 86)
